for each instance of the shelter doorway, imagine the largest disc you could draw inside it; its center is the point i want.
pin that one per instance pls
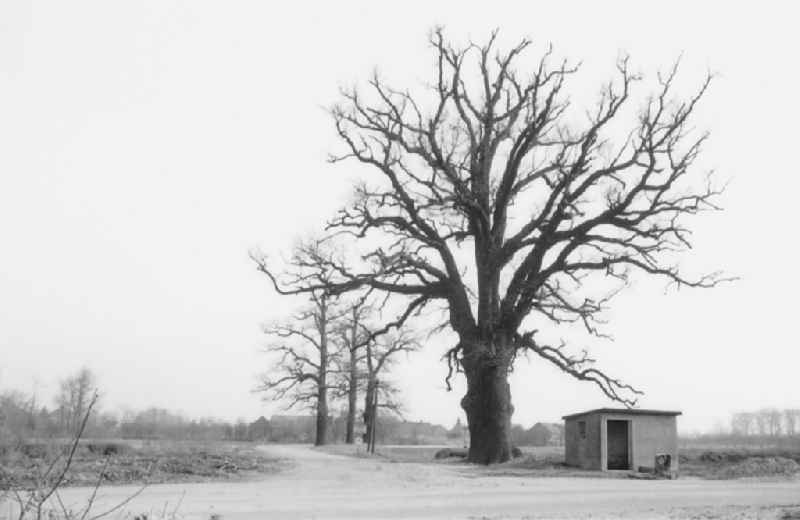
(617, 439)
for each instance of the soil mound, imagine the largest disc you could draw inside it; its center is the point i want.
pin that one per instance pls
(761, 467)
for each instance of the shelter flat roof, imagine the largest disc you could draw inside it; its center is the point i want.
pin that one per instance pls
(624, 411)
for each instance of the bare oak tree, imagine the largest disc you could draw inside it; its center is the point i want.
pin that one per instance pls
(367, 351)
(493, 198)
(301, 375)
(379, 353)
(354, 337)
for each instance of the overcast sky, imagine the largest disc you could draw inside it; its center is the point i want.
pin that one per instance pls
(147, 146)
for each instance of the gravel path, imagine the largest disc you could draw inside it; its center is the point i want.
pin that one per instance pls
(320, 485)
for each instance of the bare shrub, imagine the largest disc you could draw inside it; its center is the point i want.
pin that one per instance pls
(41, 498)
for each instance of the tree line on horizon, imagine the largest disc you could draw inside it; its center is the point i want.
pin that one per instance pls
(767, 427)
(766, 422)
(23, 418)
(393, 430)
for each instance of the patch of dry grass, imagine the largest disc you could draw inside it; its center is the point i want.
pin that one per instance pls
(394, 453)
(740, 463)
(121, 462)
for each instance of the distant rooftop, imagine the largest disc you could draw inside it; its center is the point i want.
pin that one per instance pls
(624, 411)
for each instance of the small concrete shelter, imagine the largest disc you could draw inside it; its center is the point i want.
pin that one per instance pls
(620, 439)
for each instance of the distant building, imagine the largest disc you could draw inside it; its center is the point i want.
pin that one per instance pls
(545, 434)
(292, 428)
(411, 432)
(259, 430)
(620, 439)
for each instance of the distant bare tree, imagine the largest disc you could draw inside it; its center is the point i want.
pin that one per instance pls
(742, 424)
(75, 394)
(378, 356)
(792, 419)
(761, 418)
(17, 415)
(774, 422)
(368, 350)
(354, 337)
(768, 422)
(300, 377)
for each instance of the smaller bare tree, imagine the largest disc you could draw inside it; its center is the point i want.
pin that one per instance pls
(792, 420)
(775, 425)
(354, 336)
(742, 424)
(75, 394)
(301, 374)
(761, 418)
(379, 355)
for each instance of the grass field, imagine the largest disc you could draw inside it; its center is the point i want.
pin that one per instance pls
(732, 463)
(708, 463)
(409, 453)
(119, 462)
(393, 453)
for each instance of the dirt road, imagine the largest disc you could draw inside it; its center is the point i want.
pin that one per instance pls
(320, 486)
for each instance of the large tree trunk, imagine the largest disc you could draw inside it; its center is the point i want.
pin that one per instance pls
(352, 398)
(488, 402)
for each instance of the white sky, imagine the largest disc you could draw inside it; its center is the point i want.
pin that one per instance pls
(145, 147)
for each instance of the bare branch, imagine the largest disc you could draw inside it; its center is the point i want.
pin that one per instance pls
(581, 368)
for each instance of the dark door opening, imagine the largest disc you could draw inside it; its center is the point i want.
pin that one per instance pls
(617, 440)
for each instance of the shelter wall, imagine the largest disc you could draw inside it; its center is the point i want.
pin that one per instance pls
(580, 451)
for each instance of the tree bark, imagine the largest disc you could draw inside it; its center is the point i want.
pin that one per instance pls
(487, 402)
(352, 398)
(369, 415)
(322, 417)
(321, 436)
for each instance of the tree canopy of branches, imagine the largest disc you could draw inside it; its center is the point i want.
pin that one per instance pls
(490, 195)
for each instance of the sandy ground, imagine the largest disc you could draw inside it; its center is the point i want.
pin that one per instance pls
(320, 485)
